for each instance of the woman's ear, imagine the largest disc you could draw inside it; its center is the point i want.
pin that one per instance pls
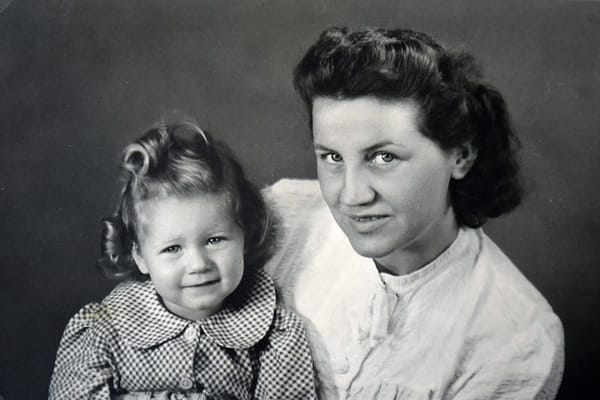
(465, 157)
(139, 260)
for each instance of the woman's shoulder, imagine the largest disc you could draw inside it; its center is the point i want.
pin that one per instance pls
(294, 195)
(293, 186)
(510, 292)
(301, 219)
(508, 278)
(513, 329)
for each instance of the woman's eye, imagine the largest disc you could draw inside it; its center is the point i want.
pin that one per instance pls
(333, 158)
(215, 240)
(382, 158)
(172, 249)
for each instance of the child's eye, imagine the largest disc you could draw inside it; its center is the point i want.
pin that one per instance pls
(382, 158)
(215, 240)
(172, 249)
(331, 158)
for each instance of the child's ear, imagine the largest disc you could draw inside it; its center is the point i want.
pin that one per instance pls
(139, 260)
(465, 156)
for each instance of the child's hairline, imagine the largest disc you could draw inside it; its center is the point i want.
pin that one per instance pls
(221, 191)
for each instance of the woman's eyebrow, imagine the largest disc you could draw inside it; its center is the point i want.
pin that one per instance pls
(318, 146)
(379, 145)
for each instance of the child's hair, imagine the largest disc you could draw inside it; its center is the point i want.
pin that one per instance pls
(181, 160)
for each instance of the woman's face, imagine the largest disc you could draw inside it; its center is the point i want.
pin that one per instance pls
(385, 183)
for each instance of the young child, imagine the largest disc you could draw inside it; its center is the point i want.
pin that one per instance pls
(196, 315)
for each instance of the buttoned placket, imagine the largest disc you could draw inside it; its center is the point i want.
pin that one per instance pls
(373, 334)
(191, 335)
(384, 305)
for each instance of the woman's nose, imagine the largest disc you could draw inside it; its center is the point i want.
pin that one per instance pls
(356, 188)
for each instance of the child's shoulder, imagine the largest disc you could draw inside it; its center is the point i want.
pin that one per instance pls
(286, 363)
(287, 331)
(128, 293)
(90, 326)
(262, 303)
(87, 316)
(284, 319)
(100, 316)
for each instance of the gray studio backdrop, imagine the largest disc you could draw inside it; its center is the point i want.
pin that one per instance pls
(79, 79)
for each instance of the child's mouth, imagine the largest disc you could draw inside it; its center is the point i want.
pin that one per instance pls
(202, 284)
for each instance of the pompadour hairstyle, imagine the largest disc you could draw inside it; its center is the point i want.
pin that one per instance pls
(456, 106)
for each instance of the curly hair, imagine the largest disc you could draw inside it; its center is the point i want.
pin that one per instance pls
(456, 106)
(181, 160)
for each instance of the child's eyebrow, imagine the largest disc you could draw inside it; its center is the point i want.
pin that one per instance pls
(163, 242)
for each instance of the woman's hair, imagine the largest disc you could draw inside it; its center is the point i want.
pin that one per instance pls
(181, 160)
(456, 106)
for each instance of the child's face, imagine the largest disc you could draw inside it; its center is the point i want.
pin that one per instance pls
(193, 250)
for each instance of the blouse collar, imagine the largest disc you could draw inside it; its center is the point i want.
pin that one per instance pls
(141, 319)
(463, 251)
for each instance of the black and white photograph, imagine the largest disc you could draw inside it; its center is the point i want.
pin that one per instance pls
(299, 199)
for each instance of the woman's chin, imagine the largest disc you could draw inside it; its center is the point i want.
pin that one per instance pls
(374, 247)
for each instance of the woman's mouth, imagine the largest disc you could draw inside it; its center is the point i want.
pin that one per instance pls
(367, 218)
(367, 223)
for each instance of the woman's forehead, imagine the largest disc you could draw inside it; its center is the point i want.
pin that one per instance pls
(368, 120)
(369, 109)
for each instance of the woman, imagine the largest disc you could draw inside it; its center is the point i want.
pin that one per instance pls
(403, 294)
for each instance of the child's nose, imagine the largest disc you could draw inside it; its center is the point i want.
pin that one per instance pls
(198, 261)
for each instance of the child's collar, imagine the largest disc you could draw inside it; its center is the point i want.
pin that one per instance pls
(142, 320)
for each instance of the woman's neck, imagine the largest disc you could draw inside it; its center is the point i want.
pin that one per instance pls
(422, 250)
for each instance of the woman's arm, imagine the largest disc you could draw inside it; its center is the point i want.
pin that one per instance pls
(530, 366)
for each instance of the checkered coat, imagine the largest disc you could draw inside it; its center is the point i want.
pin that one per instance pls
(131, 343)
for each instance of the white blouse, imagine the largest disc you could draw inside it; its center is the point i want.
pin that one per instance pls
(468, 325)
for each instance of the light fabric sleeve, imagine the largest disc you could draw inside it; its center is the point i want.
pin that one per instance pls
(530, 366)
(285, 370)
(83, 367)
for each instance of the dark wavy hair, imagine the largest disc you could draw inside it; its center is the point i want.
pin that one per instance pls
(181, 160)
(456, 106)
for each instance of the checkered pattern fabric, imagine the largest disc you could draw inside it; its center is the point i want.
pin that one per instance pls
(131, 343)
